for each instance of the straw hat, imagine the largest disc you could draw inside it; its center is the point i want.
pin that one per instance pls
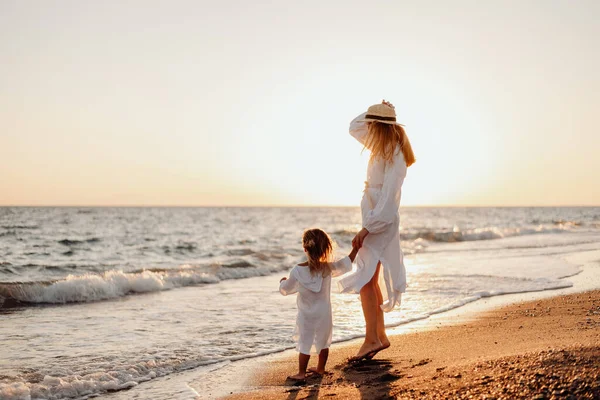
(381, 113)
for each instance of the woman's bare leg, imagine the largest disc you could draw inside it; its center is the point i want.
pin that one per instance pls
(370, 306)
(381, 335)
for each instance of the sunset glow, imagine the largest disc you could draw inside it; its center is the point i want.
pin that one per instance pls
(186, 103)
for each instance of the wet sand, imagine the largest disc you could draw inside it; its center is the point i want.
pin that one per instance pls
(547, 348)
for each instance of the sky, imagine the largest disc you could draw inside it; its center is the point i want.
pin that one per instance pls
(239, 103)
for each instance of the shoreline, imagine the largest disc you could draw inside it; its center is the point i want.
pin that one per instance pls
(469, 314)
(543, 348)
(239, 377)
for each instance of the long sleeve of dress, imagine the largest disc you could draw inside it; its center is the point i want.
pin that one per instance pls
(289, 285)
(340, 267)
(386, 210)
(358, 128)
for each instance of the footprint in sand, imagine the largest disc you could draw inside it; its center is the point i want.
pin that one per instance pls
(422, 362)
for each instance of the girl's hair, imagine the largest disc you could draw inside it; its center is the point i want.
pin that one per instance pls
(382, 140)
(319, 249)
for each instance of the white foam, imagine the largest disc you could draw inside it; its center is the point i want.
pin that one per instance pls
(111, 284)
(59, 385)
(115, 283)
(545, 285)
(15, 391)
(485, 233)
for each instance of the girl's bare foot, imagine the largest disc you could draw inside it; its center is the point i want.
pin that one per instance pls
(316, 371)
(297, 377)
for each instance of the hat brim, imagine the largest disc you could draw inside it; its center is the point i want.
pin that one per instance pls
(380, 121)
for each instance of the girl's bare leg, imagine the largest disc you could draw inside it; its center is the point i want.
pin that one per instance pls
(323, 355)
(302, 364)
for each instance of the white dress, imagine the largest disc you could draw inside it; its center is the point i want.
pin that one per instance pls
(314, 323)
(379, 207)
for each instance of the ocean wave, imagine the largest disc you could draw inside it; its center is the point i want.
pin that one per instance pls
(544, 285)
(60, 383)
(345, 232)
(238, 264)
(20, 226)
(240, 252)
(567, 222)
(186, 246)
(116, 283)
(469, 235)
(65, 267)
(71, 242)
(560, 222)
(180, 248)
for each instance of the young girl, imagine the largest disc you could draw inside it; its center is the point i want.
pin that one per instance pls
(312, 281)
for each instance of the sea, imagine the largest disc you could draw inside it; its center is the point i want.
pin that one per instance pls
(100, 300)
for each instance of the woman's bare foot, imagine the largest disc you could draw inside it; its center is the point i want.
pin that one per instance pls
(366, 349)
(297, 377)
(316, 371)
(384, 345)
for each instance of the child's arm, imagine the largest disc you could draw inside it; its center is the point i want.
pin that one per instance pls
(353, 253)
(344, 265)
(288, 285)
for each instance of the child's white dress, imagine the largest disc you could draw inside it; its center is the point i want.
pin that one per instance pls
(314, 323)
(379, 207)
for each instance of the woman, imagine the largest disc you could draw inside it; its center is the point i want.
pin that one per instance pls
(380, 259)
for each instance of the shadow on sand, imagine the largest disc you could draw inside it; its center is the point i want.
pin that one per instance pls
(309, 388)
(372, 378)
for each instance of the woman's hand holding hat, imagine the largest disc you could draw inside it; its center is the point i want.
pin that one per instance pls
(387, 103)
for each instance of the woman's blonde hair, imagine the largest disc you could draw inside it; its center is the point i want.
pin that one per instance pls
(382, 140)
(319, 248)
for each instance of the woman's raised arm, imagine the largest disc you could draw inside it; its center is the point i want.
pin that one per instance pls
(358, 129)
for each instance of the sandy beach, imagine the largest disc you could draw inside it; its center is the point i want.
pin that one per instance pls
(547, 348)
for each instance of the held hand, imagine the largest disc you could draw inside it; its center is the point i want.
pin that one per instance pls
(357, 242)
(282, 279)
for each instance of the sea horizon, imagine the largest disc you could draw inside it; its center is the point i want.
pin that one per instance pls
(297, 206)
